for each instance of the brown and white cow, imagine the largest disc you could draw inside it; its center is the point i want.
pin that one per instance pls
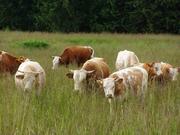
(9, 63)
(168, 73)
(129, 80)
(74, 54)
(92, 70)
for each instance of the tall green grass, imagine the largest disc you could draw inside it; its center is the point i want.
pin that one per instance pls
(58, 110)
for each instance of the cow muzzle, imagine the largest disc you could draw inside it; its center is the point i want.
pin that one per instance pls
(109, 96)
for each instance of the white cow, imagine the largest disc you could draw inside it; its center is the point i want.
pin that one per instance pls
(120, 83)
(30, 74)
(126, 59)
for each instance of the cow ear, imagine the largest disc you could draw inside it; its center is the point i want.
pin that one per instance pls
(70, 75)
(150, 64)
(99, 82)
(119, 80)
(89, 72)
(21, 76)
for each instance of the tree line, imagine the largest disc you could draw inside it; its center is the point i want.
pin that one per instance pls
(124, 16)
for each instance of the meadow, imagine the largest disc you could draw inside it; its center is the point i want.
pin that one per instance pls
(60, 111)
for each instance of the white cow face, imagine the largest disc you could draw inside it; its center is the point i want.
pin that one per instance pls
(157, 68)
(109, 85)
(55, 62)
(173, 73)
(28, 80)
(79, 76)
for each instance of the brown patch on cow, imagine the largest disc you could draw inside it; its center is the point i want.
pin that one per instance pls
(150, 70)
(75, 54)
(8, 63)
(119, 87)
(100, 68)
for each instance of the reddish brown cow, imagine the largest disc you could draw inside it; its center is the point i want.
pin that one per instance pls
(74, 54)
(9, 63)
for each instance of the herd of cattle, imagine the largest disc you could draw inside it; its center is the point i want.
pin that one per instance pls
(130, 75)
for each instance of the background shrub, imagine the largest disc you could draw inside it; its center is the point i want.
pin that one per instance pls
(34, 44)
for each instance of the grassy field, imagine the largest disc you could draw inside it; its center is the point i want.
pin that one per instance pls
(60, 111)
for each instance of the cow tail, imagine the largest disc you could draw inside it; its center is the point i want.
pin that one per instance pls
(92, 50)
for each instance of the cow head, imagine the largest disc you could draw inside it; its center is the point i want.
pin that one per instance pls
(56, 62)
(21, 59)
(173, 72)
(109, 86)
(28, 79)
(79, 76)
(157, 67)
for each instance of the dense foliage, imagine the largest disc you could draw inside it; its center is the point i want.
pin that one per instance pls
(34, 44)
(135, 16)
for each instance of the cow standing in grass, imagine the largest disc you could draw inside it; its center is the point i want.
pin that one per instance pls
(30, 75)
(9, 63)
(168, 73)
(129, 80)
(74, 54)
(92, 70)
(126, 59)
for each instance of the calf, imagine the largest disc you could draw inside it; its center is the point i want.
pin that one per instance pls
(91, 71)
(9, 63)
(168, 73)
(126, 59)
(74, 54)
(30, 74)
(118, 83)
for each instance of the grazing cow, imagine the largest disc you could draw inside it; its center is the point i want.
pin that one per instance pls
(117, 84)
(9, 63)
(152, 72)
(74, 54)
(168, 73)
(92, 70)
(30, 74)
(126, 59)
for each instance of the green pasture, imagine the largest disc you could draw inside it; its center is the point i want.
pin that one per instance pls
(60, 111)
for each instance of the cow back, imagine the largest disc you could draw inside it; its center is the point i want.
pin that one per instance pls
(101, 69)
(76, 54)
